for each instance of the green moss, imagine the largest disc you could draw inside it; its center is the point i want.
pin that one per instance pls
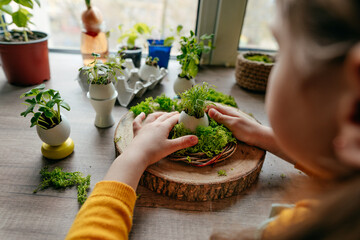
(212, 139)
(260, 58)
(221, 173)
(219, 97)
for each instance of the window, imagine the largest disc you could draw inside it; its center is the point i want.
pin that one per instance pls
(62, 19)
(255, 32)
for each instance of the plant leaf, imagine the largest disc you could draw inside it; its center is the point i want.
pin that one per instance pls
(169, 41)
(38, 2)
(65, 105)
(4, 2)
(6, 8)
(25, 3)
(21, 17)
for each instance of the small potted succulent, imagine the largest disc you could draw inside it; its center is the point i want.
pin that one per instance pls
(128, 40)
(193, 104)
(102, 93)
(151, 68)
(24, 53)
(189, 59)
(161, 48)
(52, 126)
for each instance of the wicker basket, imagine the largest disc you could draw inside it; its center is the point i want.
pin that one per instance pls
(252, 75)
(201, 159)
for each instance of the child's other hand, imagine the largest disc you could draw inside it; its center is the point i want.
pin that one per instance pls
(242, 126)
(151, 136)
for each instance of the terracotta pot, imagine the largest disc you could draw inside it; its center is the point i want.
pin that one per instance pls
(56, 135)
(26, 63)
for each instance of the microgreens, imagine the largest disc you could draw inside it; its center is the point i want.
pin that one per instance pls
(152, 62)
(193, 101)
(46, 116)
(101, 73)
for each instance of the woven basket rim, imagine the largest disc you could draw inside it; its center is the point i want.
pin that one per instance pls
(242, 55)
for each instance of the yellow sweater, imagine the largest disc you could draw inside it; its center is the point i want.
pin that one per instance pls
(106, 214)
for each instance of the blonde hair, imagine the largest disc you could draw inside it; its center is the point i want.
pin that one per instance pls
(324, 30)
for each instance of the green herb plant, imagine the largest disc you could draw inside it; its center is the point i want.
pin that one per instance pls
(131, 35)
(152, 61)
(21, 17)
(193, 101)
(168, 41)
(191, 51)
(101, 73)
(45, 106)
(58, 179)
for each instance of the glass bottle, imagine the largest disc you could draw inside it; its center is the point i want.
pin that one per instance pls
(93, 43)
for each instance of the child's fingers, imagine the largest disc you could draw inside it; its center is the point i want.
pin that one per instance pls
(138, 121)
(182, 142)
(152, 117)
(224, 110)
(228, 121)
(166, 116)
(172, 120)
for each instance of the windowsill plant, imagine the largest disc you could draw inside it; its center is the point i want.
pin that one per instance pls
(34, 70)
(150, 69)
(128, 40)
(189, 59)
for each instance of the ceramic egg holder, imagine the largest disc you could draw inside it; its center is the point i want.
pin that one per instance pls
(129, 84)
(56, 141)
(103, 109)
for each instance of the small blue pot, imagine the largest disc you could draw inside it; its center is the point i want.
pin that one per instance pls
(157, 49)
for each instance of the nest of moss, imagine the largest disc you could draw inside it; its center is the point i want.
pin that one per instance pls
(216, 142)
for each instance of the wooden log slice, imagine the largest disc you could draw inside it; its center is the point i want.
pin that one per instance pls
(185, 182)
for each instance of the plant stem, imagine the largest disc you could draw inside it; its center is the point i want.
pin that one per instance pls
(58, 112)
(26, 36)
(88, 4)
(3, 25)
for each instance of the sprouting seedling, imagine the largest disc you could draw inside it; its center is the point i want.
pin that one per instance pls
(21, 17)
(100, 73)
(193, 101)
(152, 61)
(45, 106)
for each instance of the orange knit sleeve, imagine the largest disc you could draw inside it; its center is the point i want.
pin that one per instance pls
(106, 214)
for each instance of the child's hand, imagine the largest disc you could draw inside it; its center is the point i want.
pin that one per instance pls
(150, 144)
(151, 136)
(247, 129)
(244, 128)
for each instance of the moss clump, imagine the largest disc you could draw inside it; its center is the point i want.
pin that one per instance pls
(260, 58)
(219, 97)
(212, 139)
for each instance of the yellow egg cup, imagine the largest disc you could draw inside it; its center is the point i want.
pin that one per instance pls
(58, 152)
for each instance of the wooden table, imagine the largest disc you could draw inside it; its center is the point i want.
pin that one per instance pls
(49, 214)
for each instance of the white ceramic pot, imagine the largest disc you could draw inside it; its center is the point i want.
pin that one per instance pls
(146, 71)
(57, 135)
(103, 109)
(183, 84)
(191, 122)
(101, 92)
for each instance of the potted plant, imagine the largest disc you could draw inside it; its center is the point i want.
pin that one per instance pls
(189, 59)
(151, 67)
(128, 39)
(52, 126)
(161, 48)
(102, 93)
(252, 70)
(193, 105)
(24, 53)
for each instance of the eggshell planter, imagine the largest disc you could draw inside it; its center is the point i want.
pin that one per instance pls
(191, 122)
(101, 91)
(57, 135)
(146, 71)
(183, 84)
(26, 63)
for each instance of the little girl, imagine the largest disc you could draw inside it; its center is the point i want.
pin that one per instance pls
(313, 103)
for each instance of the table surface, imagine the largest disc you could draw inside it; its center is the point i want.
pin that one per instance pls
(50, 213)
